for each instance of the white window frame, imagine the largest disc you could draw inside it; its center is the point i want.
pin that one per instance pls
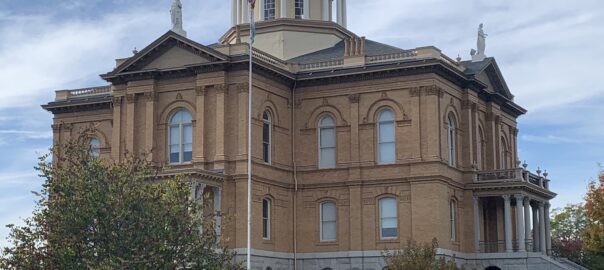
(266, 220)
(451, 139)
(268, 159)
(379, 136)
(320, 139)
(181, 144)
(322, 222)
(453, 219)
(301, 8)
(266, 9)
(381, 222)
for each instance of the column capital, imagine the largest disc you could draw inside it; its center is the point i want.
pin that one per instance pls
(506, 197)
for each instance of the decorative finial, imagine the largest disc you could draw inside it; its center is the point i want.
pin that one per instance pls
(135, 51)
(176, 12)
(525, 165)
(538, 171)
(518, 163)
(545, 174)
(458, 58)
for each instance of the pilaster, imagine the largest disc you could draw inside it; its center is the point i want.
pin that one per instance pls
(130, 103)
(220, 90)
(199, 137)
(476, 201)
(354, 137)
(150, 99)
(116, 129)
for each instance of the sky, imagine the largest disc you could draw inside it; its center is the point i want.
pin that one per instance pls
(548, 50)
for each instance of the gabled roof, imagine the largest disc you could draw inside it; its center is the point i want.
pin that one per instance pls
(160, 46)
(489, 67)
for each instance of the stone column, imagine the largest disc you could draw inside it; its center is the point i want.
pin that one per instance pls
(245, 12)
(116, 129)
(218, 210)
(339, 18)
(507, 212)
(520, 234)
(535, 228)
(260, 13)
(477, 224)
(283, 9)
(548, 233)
(542, 244)
(326, 10)
(234, 7)
(239, 11)
(306, 14)
(527, 224)
(344, 16)
(150, 124)
(199, 124)
(130, 100)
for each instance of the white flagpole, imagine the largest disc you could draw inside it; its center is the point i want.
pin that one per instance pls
(249, 146)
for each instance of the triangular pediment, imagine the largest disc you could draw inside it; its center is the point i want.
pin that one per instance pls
(487, 72)
(170, 51)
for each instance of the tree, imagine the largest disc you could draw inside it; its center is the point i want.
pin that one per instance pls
(95, 214)
(568, 227)
(594, 231)
(418, 257)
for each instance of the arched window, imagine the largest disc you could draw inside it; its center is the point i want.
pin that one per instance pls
(95, 148)
(299, 6)
(328, 221)
(327, 142)
(181, 137)
(269, 9)
(388, 218)
(451, 139)
(386, 140)
(503, 154)
(266, 136)
(480, 149)
(453, 219)
(266, 219)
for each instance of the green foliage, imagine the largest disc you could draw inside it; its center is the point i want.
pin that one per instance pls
(568, 227)
(594, 231)
(93, 214)
(418, 257)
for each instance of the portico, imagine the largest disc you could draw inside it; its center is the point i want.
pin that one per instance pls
(503, 204)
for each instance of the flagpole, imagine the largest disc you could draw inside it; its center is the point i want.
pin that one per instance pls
(249, 141)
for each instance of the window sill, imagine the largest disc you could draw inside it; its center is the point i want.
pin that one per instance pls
(388, 240)
(327, 243)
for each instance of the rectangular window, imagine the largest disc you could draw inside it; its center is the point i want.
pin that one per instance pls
(187, 141)
(388, 218)
(269, 9)
(327, 147)
(299, 6)
(266, 142)
(328, 221)
(266, 219)
(387, 145)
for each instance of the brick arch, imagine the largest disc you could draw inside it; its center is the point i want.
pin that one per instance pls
(318, 112)
(378, 105)
(272, 108)
(451, 109)
(166, 113)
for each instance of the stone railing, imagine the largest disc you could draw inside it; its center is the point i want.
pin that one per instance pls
(321, 65)
(512, 175)
(391, 57)
(83, 92)
(270, 59)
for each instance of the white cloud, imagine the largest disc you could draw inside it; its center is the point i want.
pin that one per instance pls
(549, 139)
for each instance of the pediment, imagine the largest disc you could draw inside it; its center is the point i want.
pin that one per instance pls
(170, 51)
(488, 73)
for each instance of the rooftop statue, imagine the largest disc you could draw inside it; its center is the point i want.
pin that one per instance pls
(478, 55)
(176, 12)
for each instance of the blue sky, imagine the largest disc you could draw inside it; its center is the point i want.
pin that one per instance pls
(549, 52)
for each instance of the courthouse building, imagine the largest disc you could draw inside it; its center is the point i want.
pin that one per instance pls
(357, 146)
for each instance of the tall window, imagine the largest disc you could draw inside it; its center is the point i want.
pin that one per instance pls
(266, 136)
(451, 141)
(480, 149)
(327, 142)
(453, 219)
(95, 147)
(181, 137)
(299, 6)
(328, 221)
(503, 154)
(269, 9)
(266, 219)
(388, 218)
(386, 144)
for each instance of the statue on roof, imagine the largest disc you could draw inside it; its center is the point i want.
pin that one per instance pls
(478, 54)
(176, 12)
